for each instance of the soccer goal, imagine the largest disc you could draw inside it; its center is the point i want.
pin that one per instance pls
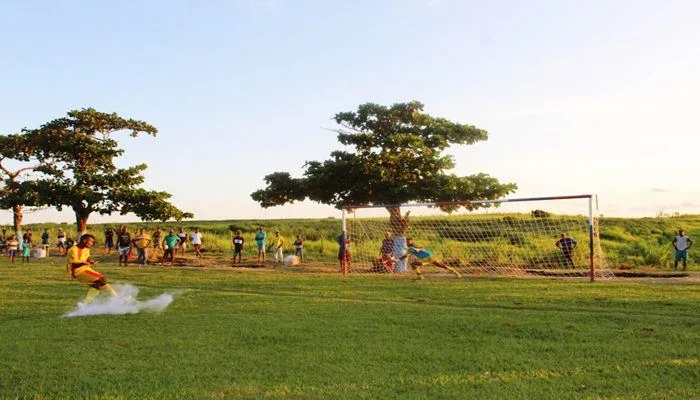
(544, 236)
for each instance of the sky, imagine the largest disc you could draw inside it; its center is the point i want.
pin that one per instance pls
(578, 97)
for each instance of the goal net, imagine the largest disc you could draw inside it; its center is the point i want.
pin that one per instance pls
(553, 237)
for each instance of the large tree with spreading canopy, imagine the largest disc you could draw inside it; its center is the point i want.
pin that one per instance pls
(81, 150)
(397, 156)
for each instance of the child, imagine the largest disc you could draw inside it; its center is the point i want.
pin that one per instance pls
(238, 246)
(26, 250)
(424, 257)
(12, 247)
(299, 248)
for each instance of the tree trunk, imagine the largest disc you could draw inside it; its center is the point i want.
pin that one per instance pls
(17, 220)
(81, 218)
(399, 224)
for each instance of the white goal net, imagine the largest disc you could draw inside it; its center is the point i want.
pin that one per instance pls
(552, 237)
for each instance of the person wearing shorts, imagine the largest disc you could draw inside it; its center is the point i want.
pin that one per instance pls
(124, 245)
(170, 243)
(61, 241)
(12, 248)
(681, 243)
(260, 241)
(343, 252)
(79, 267)
(238, 246)
(183, 240)
(197, 242)
(299, 248)
(424, 257)
(109, 240)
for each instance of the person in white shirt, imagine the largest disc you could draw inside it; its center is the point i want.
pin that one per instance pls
(196, 239)
(682, 243)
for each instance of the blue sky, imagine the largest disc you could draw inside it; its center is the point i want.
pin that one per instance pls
(577, 96)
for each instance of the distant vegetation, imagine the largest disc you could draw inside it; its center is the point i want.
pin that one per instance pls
(626, 242)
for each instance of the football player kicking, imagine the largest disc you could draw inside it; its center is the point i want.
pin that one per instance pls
(79, 267)
(424, 257)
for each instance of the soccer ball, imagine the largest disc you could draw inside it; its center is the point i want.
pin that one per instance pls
(291, 261)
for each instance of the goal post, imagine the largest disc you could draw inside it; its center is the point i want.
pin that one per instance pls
(554, 236)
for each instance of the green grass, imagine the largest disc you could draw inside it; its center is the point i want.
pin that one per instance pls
(265, 333)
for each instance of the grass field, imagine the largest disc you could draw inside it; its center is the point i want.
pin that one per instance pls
(272, 333)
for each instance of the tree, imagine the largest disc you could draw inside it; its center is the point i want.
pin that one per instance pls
(18, 188)
(85, 177)
(397, 158)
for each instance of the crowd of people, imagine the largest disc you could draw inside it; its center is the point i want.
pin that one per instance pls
(392, 253)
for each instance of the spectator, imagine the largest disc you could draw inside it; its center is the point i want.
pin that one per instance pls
(45, 238)
(681, 243)
(238, 246)
(386, 253)
(61, 242)
(12, 248)
(26, 250)
(299, 248)
(27, 236)
(344, 252)
(279, 244)
(170, 243)
(124, 245)
(3, 241)
(182, 235)
(157, 238)
(109, 239)
(141, 242)
(260, 241)
(79, 267)
(197, 242)
(567, 246)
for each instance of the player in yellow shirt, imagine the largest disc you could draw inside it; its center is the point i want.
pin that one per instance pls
(79, 267)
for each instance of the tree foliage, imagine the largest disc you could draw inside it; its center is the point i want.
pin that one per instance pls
(396, 156)
(79, 153)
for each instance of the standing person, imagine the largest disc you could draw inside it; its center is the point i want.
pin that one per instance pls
(279, 245)
(170, 243)
(45, 238)
(12, 248)
(681, 243)
(238, 246)
(141, 242)
(157, 238)
(260, 241)
(386, 253)
(196, 239)
(79, 267)
(567, 246)
(3, 241)
(124, 245)
(27, 236)
(109, 239)
(343, 252)
(26, 250)
(424, 257)
(299, 248)
(61, 242)
(183, 240)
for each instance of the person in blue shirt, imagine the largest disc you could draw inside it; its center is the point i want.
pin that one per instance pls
(567, 246)
(260, 240)
(424, 257)
(343, 252)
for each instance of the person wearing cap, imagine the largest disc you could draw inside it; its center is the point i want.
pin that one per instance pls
(170, 243)
(567, 246)
(279, 244)
(260, 241)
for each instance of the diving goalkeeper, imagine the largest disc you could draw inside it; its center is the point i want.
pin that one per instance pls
(79, 267)
(424, 257)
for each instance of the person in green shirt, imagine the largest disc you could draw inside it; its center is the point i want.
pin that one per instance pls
(170, 243)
